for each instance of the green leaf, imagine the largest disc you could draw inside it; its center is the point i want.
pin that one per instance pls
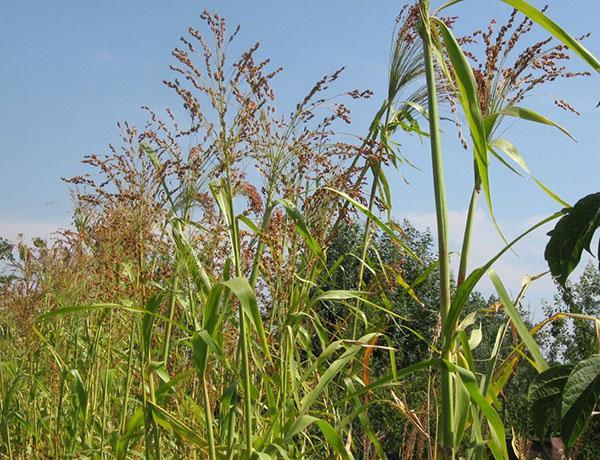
(498, 442)
(242, 290)
(551, 194)
(501, 159)
(103, 306)
(132, 431)
(187, 255)
(304, 421)
(302, 227)
(475, 338)
(518, 322)
(465, 289)
(384, 186)
(82, 395)
(469, 100)
(510, 151)
(333, 369)
(530, 115)
(539, 17)
(462, 399)
(169, 421)
(205, 339)
(341, 294)
(385, 228)
(166, 387)
(251, 225)
(545, 394)
(580, 396)
(334, 439)
(148, 320)
(446, 5)
(6, 400)
(572, 234)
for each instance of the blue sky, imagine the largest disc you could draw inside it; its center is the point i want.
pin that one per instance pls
(72, 69)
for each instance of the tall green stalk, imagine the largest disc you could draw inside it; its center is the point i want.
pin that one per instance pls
(168, 332)
(243, 339)
(447, 412)
(129, 378)
(209, 420)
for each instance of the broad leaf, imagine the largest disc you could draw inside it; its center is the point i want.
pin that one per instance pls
(572, 234)
(580, 396)
(545, 395)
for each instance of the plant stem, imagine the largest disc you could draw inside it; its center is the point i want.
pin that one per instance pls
(365, 249)
(243, 339)
(167, 344)
(447, 412)
(209, 421)
(105, 392)
(376, 168)
(129, 378)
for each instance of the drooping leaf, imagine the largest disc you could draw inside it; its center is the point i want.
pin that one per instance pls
(448, 4)
(333, 438)
(581, 394)
(550, 193)
(530, 115)
(169, 421)
(572, 234)
(341, 294)
(511, 151)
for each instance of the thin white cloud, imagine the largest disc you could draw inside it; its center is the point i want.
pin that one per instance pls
(102, 56)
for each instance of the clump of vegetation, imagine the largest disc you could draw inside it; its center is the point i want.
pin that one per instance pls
(234, 287)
